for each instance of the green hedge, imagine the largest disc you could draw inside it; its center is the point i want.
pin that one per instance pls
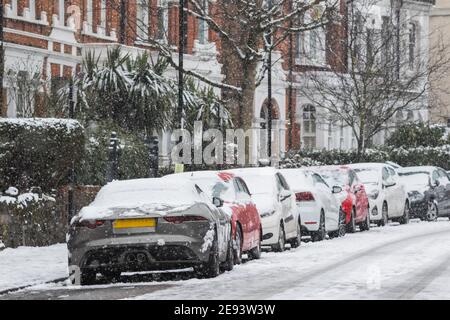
(420, 156)
(38, 152)
(133, 160)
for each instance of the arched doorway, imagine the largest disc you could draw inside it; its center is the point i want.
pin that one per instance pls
(263, 122)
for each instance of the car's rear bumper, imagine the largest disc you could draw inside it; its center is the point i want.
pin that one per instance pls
(309, 216)
(418, 209)
(133, 253)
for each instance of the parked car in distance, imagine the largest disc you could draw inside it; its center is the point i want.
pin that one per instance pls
(149, 224)
(387, 195)
(237, 203)
(428, 191)
(319, 209)
(353, 198)
(276, 205)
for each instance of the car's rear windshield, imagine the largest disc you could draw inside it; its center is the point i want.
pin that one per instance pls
(296, 179)
(116, 195)
(259, 184)
(335, 177)
(368, 175)
(417, 178)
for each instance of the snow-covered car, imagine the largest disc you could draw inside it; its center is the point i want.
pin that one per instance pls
(428, 191)
(276, 205)
(353, 198)
(319, 209)
(149, 224)
(387, 194)
(237, 203)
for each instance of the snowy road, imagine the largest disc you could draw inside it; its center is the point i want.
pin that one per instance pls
(395, 262)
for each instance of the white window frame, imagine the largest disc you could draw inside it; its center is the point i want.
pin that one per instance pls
(142, 19)
(103, 14)
(162, 5)
(203, 26)
(305, 53)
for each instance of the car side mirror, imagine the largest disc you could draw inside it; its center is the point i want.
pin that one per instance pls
(337, 189)
(389, 183)
(285, 194)
(217, 202)
(436, 183)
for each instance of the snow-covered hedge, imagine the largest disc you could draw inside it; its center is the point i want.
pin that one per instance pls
(436, 156)
(38, 152)
(30, 219)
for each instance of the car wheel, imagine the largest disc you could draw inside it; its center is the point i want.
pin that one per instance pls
(365, 225)
(384, 216)
(340, 232)
(228, 265)
(351, 226)
(255, 253)
(280, 246)
(238, 246)
(87, 277)
(295, 243)
(405, 218)
(211, 269)
(321, 233)
(432, 212)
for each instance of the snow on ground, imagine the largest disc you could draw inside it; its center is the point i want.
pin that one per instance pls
(382, 263)
(395, 262)
(31, 265)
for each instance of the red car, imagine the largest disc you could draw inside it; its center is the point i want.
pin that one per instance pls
(237, 203)
(353, 198)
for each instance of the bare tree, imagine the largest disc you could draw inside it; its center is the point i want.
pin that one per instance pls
(379, 70)
(241, 28)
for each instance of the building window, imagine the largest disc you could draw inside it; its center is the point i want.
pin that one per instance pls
(203, 26)
(412, 42)
(103, 14)
(89, 14)
(162, 19)
(142, 17)
(330, 135)
(309, 127)
(341, 136)
(311, 45)
(61, 12)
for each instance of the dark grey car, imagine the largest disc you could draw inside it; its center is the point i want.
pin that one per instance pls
(428, 191)
(149, 224)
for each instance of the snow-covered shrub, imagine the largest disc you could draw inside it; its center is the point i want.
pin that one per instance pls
(434, 156)
(133, 159)
(38, 152)
(30, 219)
(415, 135)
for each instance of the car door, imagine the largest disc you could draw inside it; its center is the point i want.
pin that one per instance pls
(361, 200)
(251, 213)
(438, 191)
(398, 192)
(444, 184)
(288, 209)
(241, 201)
(330, 202)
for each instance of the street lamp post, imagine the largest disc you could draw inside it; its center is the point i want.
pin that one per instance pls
(269, 91)
(71, 205)
(2, 55)
(181, 49)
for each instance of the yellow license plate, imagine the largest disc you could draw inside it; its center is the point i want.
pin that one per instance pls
(134, 223)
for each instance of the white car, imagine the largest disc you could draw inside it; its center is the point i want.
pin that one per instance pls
(275, 202)
(319, 207)
(388, 199)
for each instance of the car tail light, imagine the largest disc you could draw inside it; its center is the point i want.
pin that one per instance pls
(181, 219)
(91, 224)
(304, 196)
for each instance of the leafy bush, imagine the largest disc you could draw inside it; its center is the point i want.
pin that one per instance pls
(420, 156)
(418, 135)
(30, 219)
(38, 152)
(133, 159)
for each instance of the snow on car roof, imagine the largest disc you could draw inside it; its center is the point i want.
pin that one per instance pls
(417, 169)
(152, 190)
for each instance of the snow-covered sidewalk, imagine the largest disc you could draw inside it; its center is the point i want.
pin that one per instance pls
(29, 266)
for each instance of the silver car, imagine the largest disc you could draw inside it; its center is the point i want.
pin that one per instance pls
(149, 224)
